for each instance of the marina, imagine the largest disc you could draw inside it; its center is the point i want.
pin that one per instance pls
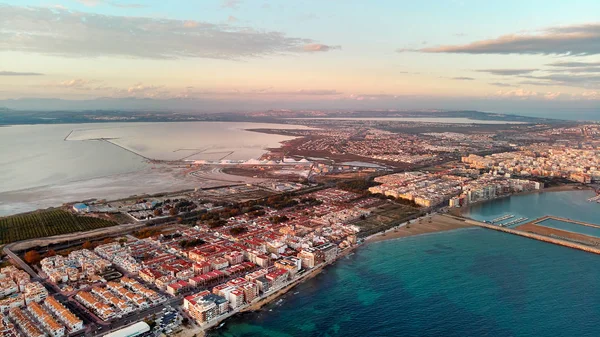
(595, 199)
(503, 218)
(514, 222)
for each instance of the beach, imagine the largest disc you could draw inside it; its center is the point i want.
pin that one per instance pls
(428, 224)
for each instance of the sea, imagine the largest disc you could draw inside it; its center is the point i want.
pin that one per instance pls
(466, 282)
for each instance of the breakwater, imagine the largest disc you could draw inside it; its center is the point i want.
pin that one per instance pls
(538, 237)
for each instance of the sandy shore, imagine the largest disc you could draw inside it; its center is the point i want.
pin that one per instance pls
(430, 224)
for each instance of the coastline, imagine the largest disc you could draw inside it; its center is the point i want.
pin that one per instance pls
(420, 226)
(200, 331)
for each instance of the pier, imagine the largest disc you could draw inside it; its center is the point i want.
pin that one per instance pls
(595, 199)
(502, 218)
(551, 217)
(539, 237)
(514, 222)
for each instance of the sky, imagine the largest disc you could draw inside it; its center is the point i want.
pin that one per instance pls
(219, 55)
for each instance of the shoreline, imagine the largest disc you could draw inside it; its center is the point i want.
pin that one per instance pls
(260, 303)
(437, 223)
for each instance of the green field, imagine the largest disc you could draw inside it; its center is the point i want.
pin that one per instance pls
(45, 223)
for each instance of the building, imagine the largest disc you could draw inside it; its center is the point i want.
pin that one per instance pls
(25, 323)
(48, 322)
(236, 298)
(311, 257)
(329, 251)
(131, 331)
(277, 277)
(178, 287)
(204, 306)
(72, 322)
(81, 208)
(35, 292)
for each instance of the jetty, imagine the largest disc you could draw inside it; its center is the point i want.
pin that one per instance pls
(552, 217)
(567, 242)
(502, 218)
(595, 199)
(514, 222)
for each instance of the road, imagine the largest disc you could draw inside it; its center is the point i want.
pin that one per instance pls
(20, 262)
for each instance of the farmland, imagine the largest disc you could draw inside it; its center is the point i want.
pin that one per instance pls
(46, 223)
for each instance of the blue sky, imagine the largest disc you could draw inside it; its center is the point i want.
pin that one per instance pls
(285, 52)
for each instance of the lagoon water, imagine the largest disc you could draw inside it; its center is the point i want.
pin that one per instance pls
(467, 282)
(39, 168)
(37, 155)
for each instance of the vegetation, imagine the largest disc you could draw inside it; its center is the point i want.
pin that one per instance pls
(359, 186)
(238, 230)
(32, 257)
(147, 232)
(279, 219)
(279, 201)
(191, 243)
(46, 223)
(311, 201)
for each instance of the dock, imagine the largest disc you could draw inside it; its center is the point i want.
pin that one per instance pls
(502, 218)
(592, 247)
(552, 217)
(595, 199)
(514, 222)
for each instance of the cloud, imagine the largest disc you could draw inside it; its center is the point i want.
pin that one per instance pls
(501, 84)
(235, 4)
(93, 3)
(516, 93)
(141, 88)
(564, 40)
(565, 79)
(576, 67)
(574, 64)
(314, 47)
(232, 19)
(463, 78)
(260, 92)
(19, 73)
(60, 32)
(521, 94)
(506, 72)
(75, 84)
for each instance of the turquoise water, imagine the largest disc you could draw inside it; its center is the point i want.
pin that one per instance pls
(467, 282)
(566, 204)
(571, 227)
(470, 282)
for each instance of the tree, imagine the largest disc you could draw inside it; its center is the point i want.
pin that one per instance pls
(50, 253)
(32, 257)
(87, 245)
(173, 212)
(157, 212)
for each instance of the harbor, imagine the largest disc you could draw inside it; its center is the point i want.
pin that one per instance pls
(534, 230)
(499, 221)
